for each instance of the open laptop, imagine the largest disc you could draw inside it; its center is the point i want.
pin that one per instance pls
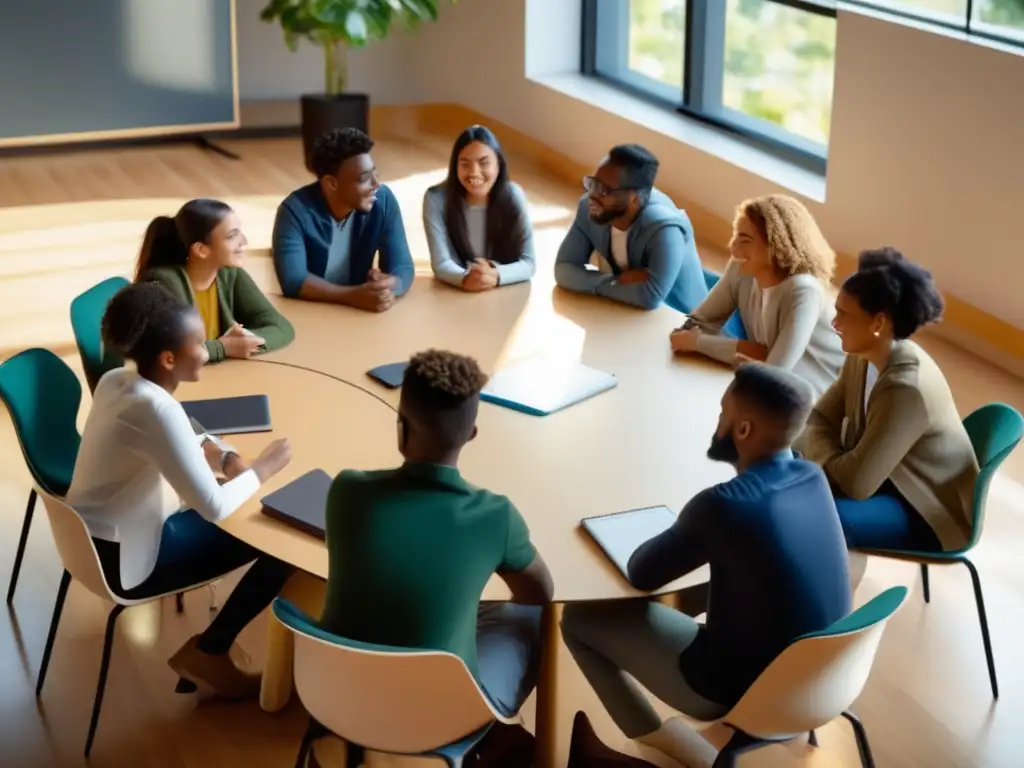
(301, 504)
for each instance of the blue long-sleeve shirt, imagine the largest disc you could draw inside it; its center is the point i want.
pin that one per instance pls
(660, 241)
(779, 570)
(304, 228)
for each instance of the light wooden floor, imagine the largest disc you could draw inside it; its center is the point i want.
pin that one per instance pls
(69, 220)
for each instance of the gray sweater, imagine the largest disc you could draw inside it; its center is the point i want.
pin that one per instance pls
(792, 319)
(443, 259)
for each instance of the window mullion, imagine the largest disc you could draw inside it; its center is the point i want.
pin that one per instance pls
(705, 55)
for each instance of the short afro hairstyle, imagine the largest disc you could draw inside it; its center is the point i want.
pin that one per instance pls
(779, 394)
(142, 321)
(335, 147)
(886, 283)
(441, 391)
(638, 168)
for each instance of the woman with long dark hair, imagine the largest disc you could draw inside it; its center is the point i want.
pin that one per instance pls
(477, 226)
(198, 256)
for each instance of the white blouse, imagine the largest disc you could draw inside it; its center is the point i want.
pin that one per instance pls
(139, 463)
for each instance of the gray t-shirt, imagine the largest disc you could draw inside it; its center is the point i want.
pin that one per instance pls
(443, 260)
(337, 271)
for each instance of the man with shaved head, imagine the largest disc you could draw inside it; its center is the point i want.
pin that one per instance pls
(779, 570)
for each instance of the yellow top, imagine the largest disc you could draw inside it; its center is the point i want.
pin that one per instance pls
(206, 303)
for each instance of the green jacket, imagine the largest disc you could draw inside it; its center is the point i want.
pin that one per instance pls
(239, 300)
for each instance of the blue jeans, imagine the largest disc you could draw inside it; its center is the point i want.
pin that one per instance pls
(194, 550)
(508, 644)
(885, 521)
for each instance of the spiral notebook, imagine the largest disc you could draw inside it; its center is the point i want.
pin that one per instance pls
(620, 534)
(540, 386)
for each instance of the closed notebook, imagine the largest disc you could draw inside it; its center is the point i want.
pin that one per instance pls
(301, 504)
(620, 534)
(541, 386)
(390, 375)
(231, 415)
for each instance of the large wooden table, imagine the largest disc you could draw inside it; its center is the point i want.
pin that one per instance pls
(639, 444)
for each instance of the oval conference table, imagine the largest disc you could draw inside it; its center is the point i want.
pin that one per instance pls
(642, 443)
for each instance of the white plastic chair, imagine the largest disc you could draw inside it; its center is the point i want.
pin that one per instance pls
(414, 703)
(813, 681)
(78, 554)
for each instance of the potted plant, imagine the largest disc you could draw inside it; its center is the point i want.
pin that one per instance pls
(336, 26)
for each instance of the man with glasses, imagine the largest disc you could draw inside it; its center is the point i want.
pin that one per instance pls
(640, 243)
(327, 233)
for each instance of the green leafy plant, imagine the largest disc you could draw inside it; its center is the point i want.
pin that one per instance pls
(339, 24)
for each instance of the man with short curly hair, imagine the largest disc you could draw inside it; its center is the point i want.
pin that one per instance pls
(411, 549)
(327, 234)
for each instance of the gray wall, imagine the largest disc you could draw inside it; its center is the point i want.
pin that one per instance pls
(68, 66)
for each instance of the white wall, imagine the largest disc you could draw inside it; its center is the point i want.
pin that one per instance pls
(926, 149)
(268, 71)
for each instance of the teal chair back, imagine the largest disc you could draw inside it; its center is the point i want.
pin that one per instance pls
(995, 430)
(86, 319)
(43, 395)
(733, 326)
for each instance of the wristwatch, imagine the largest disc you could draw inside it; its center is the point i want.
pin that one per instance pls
(224, 459)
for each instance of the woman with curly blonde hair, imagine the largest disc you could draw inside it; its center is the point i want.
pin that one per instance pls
(777, 280)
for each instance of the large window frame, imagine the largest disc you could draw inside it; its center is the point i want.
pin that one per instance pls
(968, 26)
(703, 72)
(704, 66)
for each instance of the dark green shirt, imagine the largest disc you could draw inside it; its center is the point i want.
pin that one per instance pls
(239, 300)
(410, 551)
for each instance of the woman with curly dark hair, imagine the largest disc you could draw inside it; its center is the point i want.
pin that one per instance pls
(777, 280)
(138, 441)
(887, 433)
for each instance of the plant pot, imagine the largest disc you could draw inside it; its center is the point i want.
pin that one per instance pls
(322, 113)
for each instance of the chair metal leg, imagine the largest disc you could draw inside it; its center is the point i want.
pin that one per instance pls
(812, 739)
(179, 602)
(58, 607)
(866, 760)
(925, 587)
(983, 619)
(101, 685)
(313, 732)
(26, 524)
(739, 743)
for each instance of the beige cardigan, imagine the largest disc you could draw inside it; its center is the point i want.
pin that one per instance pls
(911, 435)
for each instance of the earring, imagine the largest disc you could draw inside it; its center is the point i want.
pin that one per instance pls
(877, 334)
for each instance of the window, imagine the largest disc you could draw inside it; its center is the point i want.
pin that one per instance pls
(761, 68)
(995, 19)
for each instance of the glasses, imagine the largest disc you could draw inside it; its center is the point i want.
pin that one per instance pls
(594, 187)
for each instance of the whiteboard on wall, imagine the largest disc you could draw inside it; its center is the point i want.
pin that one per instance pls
(90, 70)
